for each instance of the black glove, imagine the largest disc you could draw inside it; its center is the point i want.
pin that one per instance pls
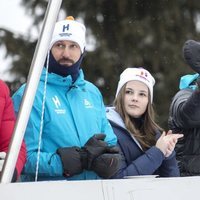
(71, 160)
(106, 165)
(75, 159)
(93, 148)
(191, 54)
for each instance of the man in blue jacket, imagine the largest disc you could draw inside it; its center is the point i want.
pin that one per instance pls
(77, 141)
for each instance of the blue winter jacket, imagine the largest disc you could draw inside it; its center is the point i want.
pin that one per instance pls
(73, 114)
(135, 160)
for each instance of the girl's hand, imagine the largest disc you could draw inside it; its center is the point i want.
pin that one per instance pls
(166, 143)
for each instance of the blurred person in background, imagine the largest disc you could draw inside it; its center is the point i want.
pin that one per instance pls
(184, 113)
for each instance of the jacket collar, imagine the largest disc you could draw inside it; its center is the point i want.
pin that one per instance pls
(114, 117)
(56, 79)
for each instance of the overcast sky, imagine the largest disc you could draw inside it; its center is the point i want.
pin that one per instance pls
(13, 18)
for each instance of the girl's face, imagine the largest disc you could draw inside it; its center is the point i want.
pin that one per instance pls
(136, 98)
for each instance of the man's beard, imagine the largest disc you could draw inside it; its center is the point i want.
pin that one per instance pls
(62, 70)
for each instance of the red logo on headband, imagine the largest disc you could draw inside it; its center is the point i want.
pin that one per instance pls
(143, 75)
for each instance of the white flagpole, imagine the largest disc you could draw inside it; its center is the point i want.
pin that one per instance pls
(30, 90)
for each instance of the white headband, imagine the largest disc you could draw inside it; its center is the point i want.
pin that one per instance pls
(137, 74)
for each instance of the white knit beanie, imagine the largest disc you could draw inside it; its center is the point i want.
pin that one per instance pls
(136, 74)
(69, 29)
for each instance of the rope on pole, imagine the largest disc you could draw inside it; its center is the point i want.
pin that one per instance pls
(30, 90)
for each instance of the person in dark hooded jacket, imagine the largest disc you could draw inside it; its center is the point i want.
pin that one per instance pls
(184, 114)
(145, 150)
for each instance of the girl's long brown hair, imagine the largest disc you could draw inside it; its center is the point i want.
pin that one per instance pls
(146, 133)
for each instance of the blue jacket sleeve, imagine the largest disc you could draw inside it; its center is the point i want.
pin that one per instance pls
(49, 163)
(144, 165)
(169, 167)
(106, 128)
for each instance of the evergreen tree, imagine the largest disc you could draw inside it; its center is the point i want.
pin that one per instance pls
(126, 33)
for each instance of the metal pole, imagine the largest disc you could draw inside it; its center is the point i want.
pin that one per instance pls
(30, 90)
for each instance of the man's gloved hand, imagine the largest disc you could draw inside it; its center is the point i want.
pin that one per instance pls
(2, 159)
(106, 165)
(93, 148)
(71, 160)
(76, 159)
(191, 54)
